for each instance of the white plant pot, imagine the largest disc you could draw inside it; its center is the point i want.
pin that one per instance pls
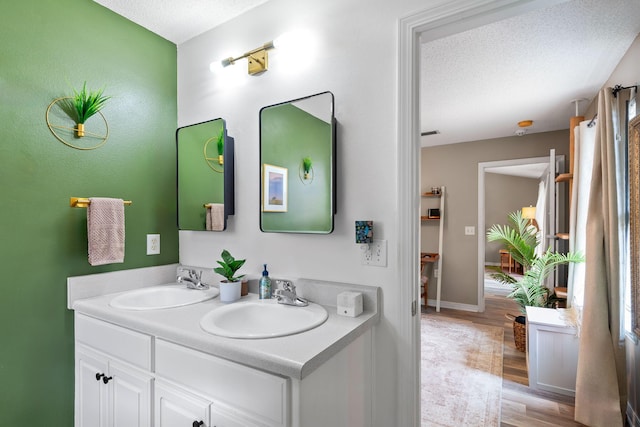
(230, 291)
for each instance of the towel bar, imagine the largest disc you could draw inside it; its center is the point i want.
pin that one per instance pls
(83, 202)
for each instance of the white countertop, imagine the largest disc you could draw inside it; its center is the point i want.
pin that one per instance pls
(556, 317)
(294, 356)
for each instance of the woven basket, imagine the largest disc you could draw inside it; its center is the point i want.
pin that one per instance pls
(519, 331)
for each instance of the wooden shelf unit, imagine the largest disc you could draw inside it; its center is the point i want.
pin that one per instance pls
(430, 219)
(564, 177)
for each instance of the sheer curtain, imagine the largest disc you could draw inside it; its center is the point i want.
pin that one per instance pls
(541, 214)
(584, 143)
(600, 382)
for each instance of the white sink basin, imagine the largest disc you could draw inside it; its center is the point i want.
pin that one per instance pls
(164, 296)
(262, 319)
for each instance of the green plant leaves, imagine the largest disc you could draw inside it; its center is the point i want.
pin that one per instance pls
(520, 239)
(228, 266)
(87, 103)
(220, 142)
(306, 164)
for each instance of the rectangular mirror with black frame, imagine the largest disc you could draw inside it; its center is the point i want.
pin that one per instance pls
(205, 176)
(297, 165)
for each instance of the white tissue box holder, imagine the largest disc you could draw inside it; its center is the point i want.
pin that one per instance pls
(349, 303)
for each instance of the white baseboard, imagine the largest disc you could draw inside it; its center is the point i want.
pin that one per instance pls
(453, 305)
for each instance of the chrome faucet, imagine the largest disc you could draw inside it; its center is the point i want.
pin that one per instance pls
(191, 279)
(286, 294)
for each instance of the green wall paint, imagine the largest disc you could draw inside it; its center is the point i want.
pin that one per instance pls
(287, 134)
(49, 46)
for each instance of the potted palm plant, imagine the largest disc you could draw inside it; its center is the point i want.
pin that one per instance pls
(230, 287)
(520, 238)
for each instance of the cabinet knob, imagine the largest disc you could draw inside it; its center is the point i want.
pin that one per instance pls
(98, 376)
(197, 423)
(106, 379)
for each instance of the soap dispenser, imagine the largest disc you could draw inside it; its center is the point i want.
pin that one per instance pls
(265, 285)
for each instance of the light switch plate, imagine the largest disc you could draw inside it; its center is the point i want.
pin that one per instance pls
(469, 230)
(153, 244)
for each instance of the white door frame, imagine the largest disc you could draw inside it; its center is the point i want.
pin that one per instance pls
(448, 18)
(482, 170)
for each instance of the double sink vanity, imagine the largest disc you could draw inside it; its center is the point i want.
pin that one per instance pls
(165, 355)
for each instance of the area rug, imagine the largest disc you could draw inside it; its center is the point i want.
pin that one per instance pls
(461, 373)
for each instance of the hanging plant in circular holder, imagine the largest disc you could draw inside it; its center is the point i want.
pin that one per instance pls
(219, 149)
(79, 108)
(305, 172)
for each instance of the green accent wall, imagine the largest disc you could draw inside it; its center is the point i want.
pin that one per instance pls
(48, 47)
(288, 134)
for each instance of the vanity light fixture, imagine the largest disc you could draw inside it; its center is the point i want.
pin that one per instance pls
(258, 58)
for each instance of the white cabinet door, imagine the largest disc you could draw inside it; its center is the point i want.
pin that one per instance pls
(91, 402)
(175, 407)
(223, 417)
(129, 397)
(110, 393)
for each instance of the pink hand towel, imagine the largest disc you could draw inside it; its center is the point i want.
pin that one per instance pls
(105, 230)
(215, 217)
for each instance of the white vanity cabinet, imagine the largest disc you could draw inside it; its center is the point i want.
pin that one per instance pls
(112, 389)
(236, 392)
(162, 370)
(176, 407)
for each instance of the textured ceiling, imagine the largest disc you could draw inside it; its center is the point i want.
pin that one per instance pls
(479, 83)
(179, 20)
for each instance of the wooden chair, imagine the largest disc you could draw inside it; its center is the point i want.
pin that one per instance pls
(426, 258)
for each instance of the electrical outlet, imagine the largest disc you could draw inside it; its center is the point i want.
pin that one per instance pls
(436, 272)
(375, 254)
(469, 230)
(153, 244)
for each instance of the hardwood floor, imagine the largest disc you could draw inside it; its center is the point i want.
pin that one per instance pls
(521, 406)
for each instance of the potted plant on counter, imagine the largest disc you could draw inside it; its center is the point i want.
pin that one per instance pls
(231, 286)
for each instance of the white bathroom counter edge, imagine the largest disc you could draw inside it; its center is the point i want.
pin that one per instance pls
(294, 356)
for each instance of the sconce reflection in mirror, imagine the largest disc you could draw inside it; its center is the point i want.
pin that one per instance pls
(298, 135)
(205, 176)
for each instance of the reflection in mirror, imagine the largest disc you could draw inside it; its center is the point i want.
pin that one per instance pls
(297, 159)
(205, 176)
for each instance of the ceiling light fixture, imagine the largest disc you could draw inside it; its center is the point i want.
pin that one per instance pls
(523, 127)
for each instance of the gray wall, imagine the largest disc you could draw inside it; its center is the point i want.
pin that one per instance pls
(504, 194)
(455, 166)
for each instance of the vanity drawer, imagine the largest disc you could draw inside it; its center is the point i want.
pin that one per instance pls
(256, 394)
(125, 344)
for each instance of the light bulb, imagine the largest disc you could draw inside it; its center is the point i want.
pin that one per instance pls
(215, 67)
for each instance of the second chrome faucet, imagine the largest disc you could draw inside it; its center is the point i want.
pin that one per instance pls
(286, 294)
